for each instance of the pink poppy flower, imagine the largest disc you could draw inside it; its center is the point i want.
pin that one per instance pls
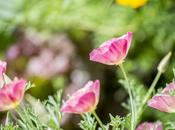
(165, 101)
(83, 100)
(150, 126)
(113, 51)
(11, 92)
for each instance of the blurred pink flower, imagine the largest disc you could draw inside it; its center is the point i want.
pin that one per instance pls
(113, 51)
(51, 64)
(150, 126)
(13, 52)
(165, 101)
(83, 100)
(11, 92)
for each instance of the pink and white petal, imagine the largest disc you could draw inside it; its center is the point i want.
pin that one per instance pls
(72, 102)
(102, 55)
(168, 88)
(67, 109)
(150, 126)
(88, 85)
(144, 126)
(164, 103)
(18, 89)
(3, 66)
(96, 90)
(86, 103)
(108, 43)
(100, 50)
(83, 90)
(5, 101)
(111, 57)
(128, 37)
(101, 58)
(117, 51)
(83, 104)
(159, 125)
(2, 71)
(2, 82)
(120, 48)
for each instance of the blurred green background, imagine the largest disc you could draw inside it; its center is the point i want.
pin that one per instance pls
(48, 43)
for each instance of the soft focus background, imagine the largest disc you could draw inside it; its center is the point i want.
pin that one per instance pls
(48, 42)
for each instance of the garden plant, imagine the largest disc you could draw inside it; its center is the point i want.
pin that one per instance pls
(87, 64)
(85, 101)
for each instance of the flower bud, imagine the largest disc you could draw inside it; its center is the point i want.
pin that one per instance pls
(164, 63)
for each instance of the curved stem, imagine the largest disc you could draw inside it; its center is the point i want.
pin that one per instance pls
(148, 95)
(98, 120)
(130, 97)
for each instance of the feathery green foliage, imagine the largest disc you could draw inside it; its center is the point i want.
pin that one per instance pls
(88, 122)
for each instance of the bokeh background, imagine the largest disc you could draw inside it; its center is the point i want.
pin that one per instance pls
(48, 42)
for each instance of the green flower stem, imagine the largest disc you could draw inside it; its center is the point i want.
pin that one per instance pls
(130, 97)
(148, 95)
(98, 120)
(7, 119)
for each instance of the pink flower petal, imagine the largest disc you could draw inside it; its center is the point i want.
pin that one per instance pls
(2, 71)
(101, 55)
(164, 103)
(18, 89)
(168, 88)
(150, 126)
(83, 104)
(2, 67)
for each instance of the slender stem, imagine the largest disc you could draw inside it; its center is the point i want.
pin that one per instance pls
(11, 113)
(148, 95)
(98, 120)
(7, 119)
(130, 97)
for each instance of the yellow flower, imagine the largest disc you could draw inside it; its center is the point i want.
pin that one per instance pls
(132, 3)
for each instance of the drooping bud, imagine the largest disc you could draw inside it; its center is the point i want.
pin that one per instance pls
(164, 63)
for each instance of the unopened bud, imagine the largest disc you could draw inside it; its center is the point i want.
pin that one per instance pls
(164, 63)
